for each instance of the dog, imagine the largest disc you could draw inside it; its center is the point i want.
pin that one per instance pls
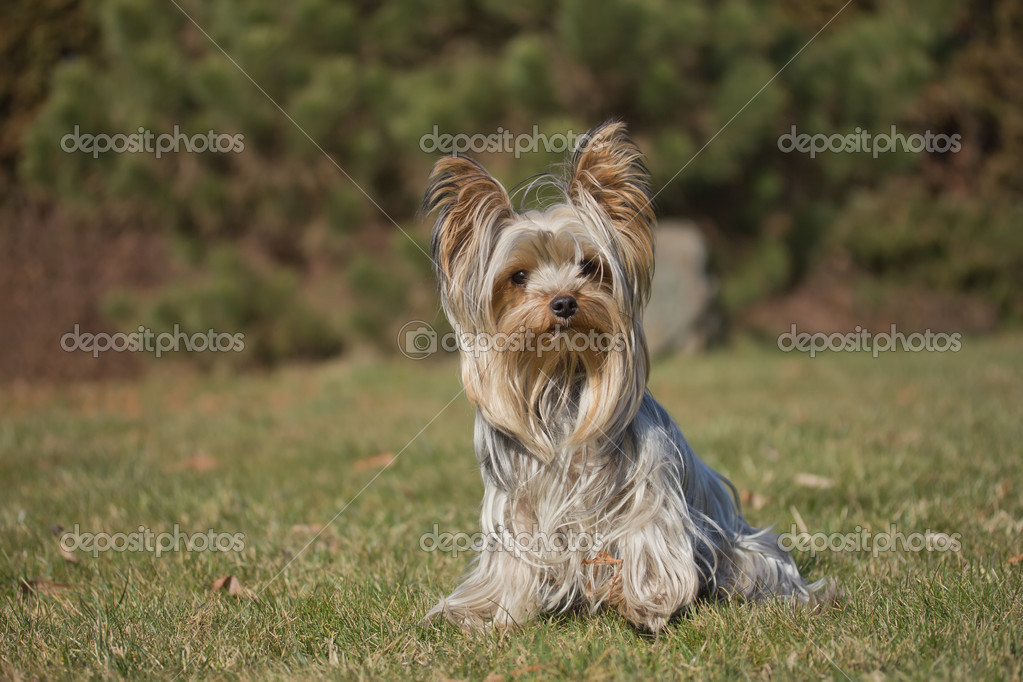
(592, 495)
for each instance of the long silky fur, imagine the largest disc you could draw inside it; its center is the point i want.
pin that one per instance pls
(570, 444)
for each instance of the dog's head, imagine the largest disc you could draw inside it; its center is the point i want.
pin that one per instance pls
(568, 282)
(573, 265)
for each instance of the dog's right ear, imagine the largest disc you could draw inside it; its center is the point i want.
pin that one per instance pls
(471, 207)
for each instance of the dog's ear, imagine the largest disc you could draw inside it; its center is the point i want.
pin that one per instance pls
(471, 207)
(607, 171)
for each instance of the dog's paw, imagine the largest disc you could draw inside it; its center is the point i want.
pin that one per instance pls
(824, 593)
(653, 625)
(468, 619)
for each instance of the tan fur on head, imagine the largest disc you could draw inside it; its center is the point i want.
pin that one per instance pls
(609, 170)
(471, 207)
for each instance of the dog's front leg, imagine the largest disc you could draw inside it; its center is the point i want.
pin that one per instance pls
(501, 590)
(659, 576)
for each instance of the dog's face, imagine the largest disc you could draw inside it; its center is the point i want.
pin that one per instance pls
(499, 268)
(582, 266)
(548, 273)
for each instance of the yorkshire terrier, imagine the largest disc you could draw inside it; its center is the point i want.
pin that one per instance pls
(569, 441)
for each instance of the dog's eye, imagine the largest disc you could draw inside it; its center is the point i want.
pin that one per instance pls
(519, 278)
(589, 267)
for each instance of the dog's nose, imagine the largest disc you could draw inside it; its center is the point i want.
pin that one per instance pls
(564, 307)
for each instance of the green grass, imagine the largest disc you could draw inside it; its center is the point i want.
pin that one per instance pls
(924, 442)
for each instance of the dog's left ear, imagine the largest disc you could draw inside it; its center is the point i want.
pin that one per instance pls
(607, 170)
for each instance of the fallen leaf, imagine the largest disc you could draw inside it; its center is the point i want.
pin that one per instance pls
(232, 586)
(906, 396)
(1016, 559)
(332, 657)
(754, 500)
(199, 462)
(374, 462)
(61, 593)
(57, 530)
(68, 556)
(42, 586)
(812, 481)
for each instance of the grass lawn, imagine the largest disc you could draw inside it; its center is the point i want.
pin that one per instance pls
(917, 443)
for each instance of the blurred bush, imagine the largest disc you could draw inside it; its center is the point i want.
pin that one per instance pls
(35, 38)
(362, 83)
(232, 297)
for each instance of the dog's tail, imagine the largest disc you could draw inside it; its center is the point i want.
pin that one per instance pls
(746, 562)
(758, 567)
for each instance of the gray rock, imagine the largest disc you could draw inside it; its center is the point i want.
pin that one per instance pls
(683, 314)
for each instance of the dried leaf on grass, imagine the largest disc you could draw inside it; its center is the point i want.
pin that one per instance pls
(374, 462)
(68, 556)
(233, 587)
(60, 593)
(199, 462)
(33, 586)
(57, 531)
(754, 500)
(813, 481)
